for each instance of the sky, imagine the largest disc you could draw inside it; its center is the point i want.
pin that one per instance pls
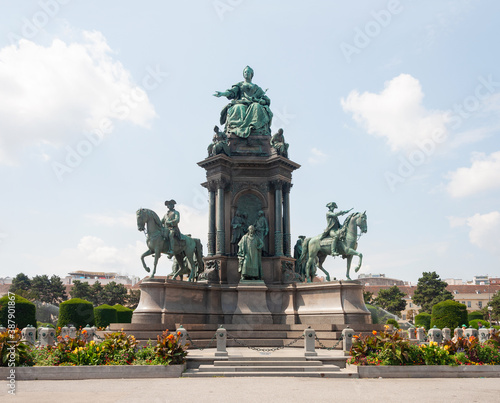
(389, 106)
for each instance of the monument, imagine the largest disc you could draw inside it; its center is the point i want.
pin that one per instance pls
(249, 275)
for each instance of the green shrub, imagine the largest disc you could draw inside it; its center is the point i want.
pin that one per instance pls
(449, 313)
(77, 312)
(475, 323)
(393, 322)
(373, 312)
(423, 320)
(23, 312)
(123, 314)
(475, 315)
(104, 315)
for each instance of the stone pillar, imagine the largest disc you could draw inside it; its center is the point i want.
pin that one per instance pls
(87, 334)
(183, 335)
(458, 333)
(446, 334)
(219, 212)
(310, 343)
(46, 336)
(287, 236)
(484, 334)
(470, 331)
(29, 334)
(411, 333)
(435, 335)
(347, 334)
(278, 218)
(211, 220)
(420, 334)
(221, 342)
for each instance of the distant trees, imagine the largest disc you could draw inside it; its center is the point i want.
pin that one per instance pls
(368, 297)
(111, 294)
(391, 299)
(40, 288)
(430, 290)
(495, 305)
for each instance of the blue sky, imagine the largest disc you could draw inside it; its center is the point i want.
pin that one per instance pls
(390, 107)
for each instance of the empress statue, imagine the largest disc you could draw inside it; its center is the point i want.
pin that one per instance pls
(248, 113)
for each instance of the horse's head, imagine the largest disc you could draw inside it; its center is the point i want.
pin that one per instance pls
(361, 221)
(141, 219)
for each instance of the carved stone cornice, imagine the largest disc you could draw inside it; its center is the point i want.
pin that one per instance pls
(262, 186)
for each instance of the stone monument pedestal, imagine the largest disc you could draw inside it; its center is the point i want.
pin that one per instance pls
(252, 307)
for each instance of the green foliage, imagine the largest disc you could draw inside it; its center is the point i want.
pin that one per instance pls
(475, 315)
(393, 322)
(450, 314)
(21, 285)
(114, 293)
(433, 354)
(133, 298)
(475, 323)
(168, 349)
(123, 314)
(13, 349)
(495, 304)
(77, 312)
(49, 290)
(81, 289)
(373, 312)
(104, 315)
(20, 313)
(111, 294)
(391, 299)
(368, 297)
(430, 290)
(423, 320)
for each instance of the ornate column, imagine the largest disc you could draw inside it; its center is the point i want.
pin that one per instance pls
(211, 218)
(287, 236)
(278, 218)
(220, 248)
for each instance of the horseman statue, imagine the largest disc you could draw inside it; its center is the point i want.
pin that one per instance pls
(334, 229)
(165, 237)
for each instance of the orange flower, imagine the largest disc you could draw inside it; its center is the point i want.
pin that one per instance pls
(374, 332)
(170, 336)
(84, 331)
(178, 333)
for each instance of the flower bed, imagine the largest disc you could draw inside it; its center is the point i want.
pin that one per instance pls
(116, 349)
(387, 348)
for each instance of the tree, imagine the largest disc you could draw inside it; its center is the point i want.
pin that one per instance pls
(368, 297)
(495, 304)
(40, 285)
(97, 294)
(391, 299)
(133, 299)
(430, 290)
(21, 285)
(57, 290)
(114, 293)
(449, 313)
(81, 290)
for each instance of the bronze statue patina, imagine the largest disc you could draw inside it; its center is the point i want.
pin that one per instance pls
(262, 228)
(239, 227)
(278, 143)
(170, 224)
(333, 228)
(297, 252)
(249, 112)
(159, 242)
(249, 255)
(316, 249)
(219, 144)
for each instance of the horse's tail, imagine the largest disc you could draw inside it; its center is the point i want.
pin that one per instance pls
(198, 251)
(305, 251)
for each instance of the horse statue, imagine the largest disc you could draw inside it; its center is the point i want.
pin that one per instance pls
(315, 250)
(191, 248)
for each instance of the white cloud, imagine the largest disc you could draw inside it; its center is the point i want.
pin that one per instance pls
(485, 231)
(122, 219)
(457, 221)
(317, 157)
(482, 175)
(396, 113)
(52, 94)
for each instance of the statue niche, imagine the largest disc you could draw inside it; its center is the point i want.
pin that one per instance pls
(248, 210)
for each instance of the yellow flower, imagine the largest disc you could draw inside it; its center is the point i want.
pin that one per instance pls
(92, 342)
(75, 351)
(446, 347)
(374, 332)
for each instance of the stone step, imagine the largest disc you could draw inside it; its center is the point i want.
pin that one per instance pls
(301, 374)
(269, 362)
(269, 368)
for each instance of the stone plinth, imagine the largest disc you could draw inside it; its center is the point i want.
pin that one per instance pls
(168, 302)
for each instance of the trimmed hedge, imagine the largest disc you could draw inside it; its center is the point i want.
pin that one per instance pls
(449, 313)
(475, 323)
(423, 320)
(24, 311)
(373, 312)
(104, 315)
(475, 315)
(123, 314)
(76, 311)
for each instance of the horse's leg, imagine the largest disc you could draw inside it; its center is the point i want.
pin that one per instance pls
(147, 253)
(354, 252)
(349, 260)
(320, 265)
(192, 272)
(157, 256)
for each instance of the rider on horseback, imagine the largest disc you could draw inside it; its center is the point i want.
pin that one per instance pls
(170, 223)
(333, 229)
